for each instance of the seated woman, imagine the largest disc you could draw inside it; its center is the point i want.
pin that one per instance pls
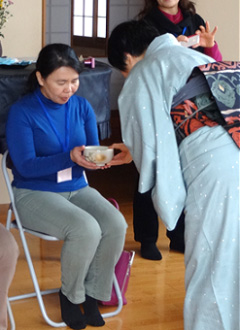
(46, 133)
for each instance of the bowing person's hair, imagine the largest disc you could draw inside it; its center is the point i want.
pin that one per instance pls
(131, 37)
(51, 58)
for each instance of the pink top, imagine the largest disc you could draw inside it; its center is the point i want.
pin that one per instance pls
(213, 52)
(174, 18)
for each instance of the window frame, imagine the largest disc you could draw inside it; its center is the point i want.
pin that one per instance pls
(91, 42)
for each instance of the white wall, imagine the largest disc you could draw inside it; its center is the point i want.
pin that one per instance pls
(23, 31)
(225, 15)
(22, 38)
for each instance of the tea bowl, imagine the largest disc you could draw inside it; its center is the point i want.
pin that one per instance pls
(100, 155)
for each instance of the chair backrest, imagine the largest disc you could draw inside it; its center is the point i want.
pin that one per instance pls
(12, 208)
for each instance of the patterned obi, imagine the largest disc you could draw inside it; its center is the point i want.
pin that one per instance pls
(211, 97)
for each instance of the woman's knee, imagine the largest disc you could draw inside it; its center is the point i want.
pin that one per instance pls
(122, 224)
(118, 225)
(88, 231)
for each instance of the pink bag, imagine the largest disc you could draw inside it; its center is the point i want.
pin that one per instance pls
(122, 271)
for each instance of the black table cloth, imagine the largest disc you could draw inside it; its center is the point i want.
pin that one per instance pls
(94, 86)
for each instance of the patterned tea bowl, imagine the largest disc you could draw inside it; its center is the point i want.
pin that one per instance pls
(100, 155)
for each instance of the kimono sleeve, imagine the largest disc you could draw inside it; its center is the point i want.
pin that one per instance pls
(148, 132)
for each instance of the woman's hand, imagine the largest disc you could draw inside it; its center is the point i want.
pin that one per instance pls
(124, 157)
(76, 155)
(207, 38)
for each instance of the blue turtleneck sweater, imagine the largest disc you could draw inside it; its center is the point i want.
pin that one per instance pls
(34, 147)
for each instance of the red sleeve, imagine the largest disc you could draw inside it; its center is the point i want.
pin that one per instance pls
(213, 52)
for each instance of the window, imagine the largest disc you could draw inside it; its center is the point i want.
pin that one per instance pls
(89, 27)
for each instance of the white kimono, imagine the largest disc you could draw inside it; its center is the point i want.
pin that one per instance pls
(201, 176)
(147, 129)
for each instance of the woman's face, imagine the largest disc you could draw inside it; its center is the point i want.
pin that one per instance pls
(60, 85)
(169, 6)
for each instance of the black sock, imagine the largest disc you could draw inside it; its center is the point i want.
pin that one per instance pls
(71, 313)
(150, 251)
(92, 314)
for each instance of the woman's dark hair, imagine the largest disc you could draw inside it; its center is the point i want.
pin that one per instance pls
(132, 37)
(184, 5)
(52, 57)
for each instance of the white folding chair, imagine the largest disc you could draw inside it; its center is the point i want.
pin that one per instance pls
(22, 230)
(10, 315)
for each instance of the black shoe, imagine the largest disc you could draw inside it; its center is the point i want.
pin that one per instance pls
(150, 251)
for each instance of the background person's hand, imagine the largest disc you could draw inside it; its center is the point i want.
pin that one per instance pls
(207, 38)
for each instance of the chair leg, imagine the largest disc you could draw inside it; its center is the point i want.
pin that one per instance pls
(36, 286)
(10, 315)
(9, 218)
(120, 300)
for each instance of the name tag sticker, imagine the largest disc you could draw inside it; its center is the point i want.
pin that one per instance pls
(64, 175)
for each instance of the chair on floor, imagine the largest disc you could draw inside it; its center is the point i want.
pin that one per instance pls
(22, 230)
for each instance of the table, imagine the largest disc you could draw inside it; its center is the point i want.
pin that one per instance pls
(94, 86)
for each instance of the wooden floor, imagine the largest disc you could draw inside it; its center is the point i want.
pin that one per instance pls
(155, 293)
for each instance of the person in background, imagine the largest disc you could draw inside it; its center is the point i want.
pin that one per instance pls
(179, 18)
(198, 173)
(8, 259)
(47, 131)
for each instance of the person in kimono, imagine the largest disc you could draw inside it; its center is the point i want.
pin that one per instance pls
(198, 173)
(180, 18)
